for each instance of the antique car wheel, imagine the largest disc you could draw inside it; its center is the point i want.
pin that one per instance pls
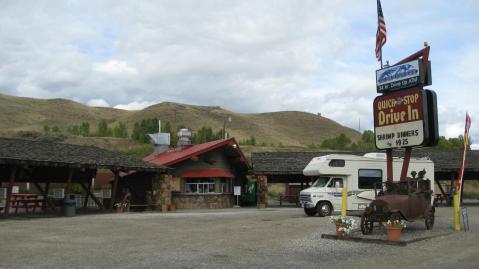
(324, 209)
(430, 220)
(366, 224)
(310, 211)
(395, 216)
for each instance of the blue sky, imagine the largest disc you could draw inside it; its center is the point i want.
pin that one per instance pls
(246, 56)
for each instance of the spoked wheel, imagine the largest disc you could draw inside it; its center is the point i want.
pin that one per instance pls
(366, 224)
(430, 219)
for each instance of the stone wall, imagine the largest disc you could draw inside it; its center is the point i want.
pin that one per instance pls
(197, 201)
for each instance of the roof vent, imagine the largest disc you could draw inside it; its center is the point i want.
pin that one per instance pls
(160, 140)
(184, 138)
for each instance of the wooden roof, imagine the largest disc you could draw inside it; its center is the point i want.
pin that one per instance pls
(293, 163)
(175, 156)
(28, 152)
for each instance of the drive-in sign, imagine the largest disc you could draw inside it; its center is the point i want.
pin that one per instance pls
(399, 119)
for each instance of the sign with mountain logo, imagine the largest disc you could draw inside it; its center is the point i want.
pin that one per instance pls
(401, 76)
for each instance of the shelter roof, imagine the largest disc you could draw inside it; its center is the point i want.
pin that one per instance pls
(175, 156)
(276, 163)
(28, 152)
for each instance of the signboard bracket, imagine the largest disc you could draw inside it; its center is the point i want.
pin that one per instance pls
(425, 59)
(405, 164)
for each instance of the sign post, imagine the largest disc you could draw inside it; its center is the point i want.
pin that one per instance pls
(405, 115)
(237, 193)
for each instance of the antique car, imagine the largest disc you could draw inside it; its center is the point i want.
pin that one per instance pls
(410, 200)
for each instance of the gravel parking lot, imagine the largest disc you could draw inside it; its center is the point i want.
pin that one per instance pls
(230, 238)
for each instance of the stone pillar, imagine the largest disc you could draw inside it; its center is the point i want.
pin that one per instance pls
(165, 192)
(160, 198)
(262, 191)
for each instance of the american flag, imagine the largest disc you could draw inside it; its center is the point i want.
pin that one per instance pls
(381, 32)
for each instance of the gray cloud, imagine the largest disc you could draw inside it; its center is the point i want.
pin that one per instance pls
(247, 56)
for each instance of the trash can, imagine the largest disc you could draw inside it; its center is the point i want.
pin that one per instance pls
(70, 205)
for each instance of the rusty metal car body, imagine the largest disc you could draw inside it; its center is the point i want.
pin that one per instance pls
(410, 200)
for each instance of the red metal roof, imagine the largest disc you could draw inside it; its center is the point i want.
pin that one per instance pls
(214, 172)
(175, 156)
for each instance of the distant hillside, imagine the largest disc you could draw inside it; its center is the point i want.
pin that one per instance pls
(290, 128)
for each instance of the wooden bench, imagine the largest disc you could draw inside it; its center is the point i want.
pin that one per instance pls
(26, 203)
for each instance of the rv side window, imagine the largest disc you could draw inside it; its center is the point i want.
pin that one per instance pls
(336, 163)
(368, 177)
(336, 183)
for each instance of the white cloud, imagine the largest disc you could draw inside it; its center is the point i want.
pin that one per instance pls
(135, 105)
(98, 103)
(115, 67)
(247, 56)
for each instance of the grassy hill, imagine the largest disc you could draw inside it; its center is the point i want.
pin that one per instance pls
(290, 128)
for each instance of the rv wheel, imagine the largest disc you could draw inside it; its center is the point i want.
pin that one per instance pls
(310, 211)
(324, 209)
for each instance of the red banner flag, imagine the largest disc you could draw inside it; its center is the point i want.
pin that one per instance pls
(466, 142)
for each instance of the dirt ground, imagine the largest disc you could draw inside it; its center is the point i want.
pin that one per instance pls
(229, 238)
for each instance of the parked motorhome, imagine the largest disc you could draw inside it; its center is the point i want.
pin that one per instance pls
(360, 174)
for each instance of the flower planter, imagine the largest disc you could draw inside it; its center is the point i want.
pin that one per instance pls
(172, 208)
(119, 210)
(394, 233)
(339, 233)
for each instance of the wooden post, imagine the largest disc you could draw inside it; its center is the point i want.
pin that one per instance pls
(13, 173)
(69, 182)
(389, 157)
(95, 199)
(113, 189)
(405, 164)
(45, 196)
(85, 203)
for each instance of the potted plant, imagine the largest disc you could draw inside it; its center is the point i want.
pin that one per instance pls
(344, 225)
(394, 228)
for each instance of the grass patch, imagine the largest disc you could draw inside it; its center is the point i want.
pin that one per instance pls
(139, 151)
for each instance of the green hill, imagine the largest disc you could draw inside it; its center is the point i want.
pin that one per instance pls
(290, 128)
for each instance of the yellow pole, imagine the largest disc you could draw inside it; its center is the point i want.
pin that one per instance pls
(457, 220)
(345, 201)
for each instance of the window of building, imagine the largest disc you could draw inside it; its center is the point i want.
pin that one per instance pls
(367, 178)
(199, 186)
(337, 163)
(225, 186)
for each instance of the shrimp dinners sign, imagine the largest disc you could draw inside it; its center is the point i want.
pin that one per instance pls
(399, 119)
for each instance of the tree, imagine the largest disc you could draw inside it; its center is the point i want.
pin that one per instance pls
(85, 129)
(452, 143)
(341, 142)
(120, 130)
(102, 130)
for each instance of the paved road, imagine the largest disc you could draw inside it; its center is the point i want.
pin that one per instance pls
(233, 238)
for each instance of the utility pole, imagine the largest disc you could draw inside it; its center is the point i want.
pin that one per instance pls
(224, 125)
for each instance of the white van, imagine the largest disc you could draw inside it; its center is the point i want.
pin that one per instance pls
(359, 174)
